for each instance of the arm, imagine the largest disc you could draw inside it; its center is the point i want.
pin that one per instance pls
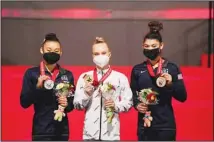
(70, 106)
(125, 103)
(134, 88)
(177, 87)
(81, 99)
(27, 97)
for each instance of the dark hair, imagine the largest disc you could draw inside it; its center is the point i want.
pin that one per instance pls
(154, 33)
(99, 40)
(50, 37)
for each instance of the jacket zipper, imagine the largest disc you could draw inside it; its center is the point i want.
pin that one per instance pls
(101, 105)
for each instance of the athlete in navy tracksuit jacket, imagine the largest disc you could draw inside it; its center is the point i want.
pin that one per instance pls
(163, 127)
(45, 128)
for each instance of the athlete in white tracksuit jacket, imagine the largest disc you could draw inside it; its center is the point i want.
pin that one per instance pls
(96, 126)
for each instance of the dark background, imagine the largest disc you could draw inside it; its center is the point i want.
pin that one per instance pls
(21, 37)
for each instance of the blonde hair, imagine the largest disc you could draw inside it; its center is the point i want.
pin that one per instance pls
(99, 40)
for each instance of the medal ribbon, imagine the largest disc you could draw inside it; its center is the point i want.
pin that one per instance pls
(55, 71)
(150, 69)
(103, 77)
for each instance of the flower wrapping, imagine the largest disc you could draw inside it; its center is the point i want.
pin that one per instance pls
(63, 89)
(148, 97)
(107, 91)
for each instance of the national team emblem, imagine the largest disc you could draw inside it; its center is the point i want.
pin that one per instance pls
(180, 76)
(64, 78)
(165, 70)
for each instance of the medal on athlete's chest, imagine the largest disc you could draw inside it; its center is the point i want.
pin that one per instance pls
(160, 81)
(49, 83)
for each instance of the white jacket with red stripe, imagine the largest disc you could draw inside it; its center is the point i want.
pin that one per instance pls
(96, 126)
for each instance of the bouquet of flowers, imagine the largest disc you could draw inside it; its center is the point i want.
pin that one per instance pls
(89, 79)
(63, 89)
(107, 91)
(148, 97)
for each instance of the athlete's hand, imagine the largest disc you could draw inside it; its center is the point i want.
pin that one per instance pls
(41, 79)
(89, 88)
(142, 108)
(168, 78)
(62, 100)
(109, 103)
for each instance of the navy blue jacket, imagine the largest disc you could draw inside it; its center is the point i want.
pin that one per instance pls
(45, 102)
(162, 113)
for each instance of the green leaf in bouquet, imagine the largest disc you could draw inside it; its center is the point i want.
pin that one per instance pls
(147, 91)
(145, 94)
(66, 85)
(64, 89)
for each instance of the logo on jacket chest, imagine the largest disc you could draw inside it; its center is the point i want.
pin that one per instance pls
(165, 70)
(64, 78)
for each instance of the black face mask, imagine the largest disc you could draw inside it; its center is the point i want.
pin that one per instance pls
(152, 53)
(51, 57)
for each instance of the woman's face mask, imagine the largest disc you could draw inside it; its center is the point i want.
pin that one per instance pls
(51, 57)
(101, 60)
(152, 54)
(152, 48)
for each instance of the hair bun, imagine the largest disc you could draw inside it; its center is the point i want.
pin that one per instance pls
(155, 26)
(99, 40)
(51, 36)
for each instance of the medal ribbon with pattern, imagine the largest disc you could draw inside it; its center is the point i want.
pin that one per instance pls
(55, 71)
(150, 69)
(103, 77)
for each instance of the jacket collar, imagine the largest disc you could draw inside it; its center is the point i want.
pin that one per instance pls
(99, 71)
(164, 63)
(61, 70)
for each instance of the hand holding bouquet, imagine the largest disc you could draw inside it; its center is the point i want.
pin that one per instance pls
(148, 97)
(107, 91)
(89, 79)
(63, 90)
(90, 84)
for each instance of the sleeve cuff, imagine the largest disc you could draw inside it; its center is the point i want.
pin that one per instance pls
(169, 87)
(135, 106)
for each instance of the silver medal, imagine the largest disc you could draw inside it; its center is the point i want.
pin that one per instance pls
(161, 81)
(49, 84)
